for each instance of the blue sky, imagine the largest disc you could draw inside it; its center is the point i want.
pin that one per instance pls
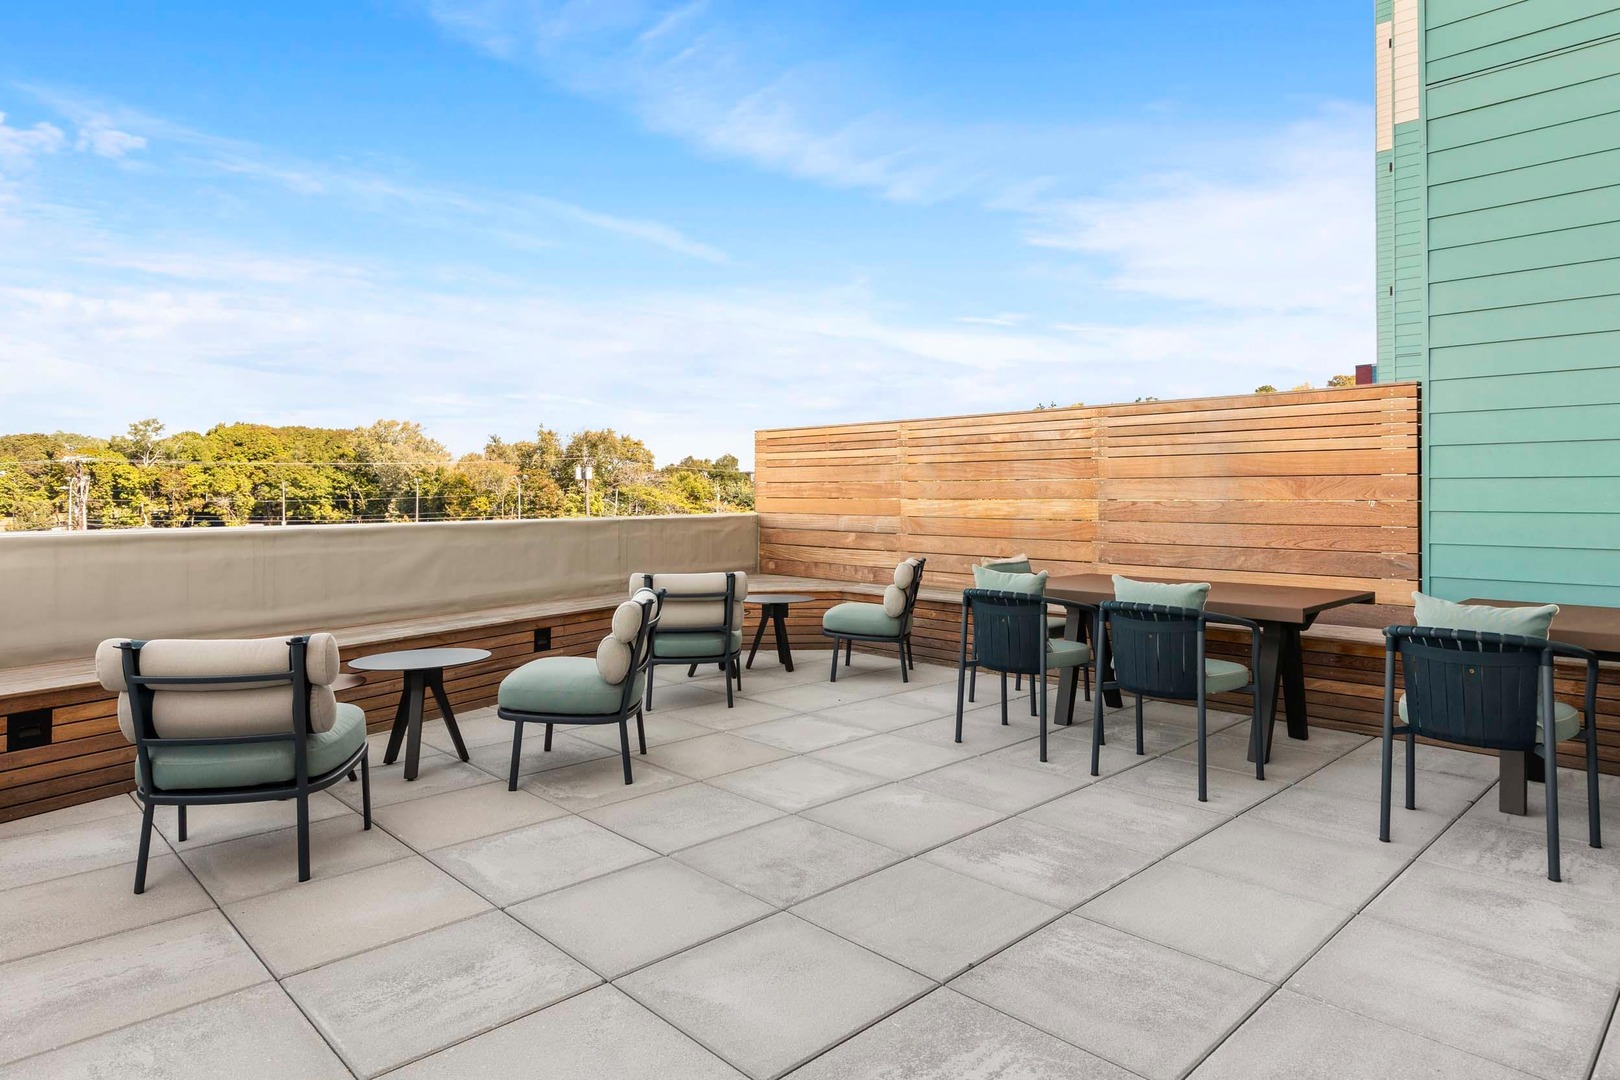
(684, 220)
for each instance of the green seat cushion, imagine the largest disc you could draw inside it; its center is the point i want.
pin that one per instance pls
(568, 685)
(188, 768)
(1060, 653)
(1164, 594)
(1518, 621)
(1223, 675)
(1025, 584)
(681, 646)
(866, 619)
(1566, 720)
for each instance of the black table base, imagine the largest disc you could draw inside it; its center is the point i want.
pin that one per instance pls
(408, 718)
(773, 614)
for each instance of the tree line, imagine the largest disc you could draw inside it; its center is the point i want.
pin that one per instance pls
(241, 474)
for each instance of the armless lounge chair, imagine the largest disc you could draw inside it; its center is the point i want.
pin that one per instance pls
(887, 623)
(217, 722)
(700, 618)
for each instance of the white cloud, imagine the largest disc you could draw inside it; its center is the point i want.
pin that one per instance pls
(1293, 234)
(727, 85)
(106, 141)
(19, 146)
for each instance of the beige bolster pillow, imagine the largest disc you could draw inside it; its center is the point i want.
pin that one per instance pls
(206, 714)
(228, 656)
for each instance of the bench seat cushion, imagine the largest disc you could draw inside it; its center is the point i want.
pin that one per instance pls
(188, 768)
(868, 620)
(565, 685)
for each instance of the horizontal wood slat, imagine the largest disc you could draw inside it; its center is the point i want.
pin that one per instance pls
(1312, 487)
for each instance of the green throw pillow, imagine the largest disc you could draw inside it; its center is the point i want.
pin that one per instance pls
(1161, 593)
(1519, 621)
(998, 581)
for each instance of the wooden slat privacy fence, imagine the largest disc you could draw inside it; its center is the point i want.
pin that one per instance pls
(1315, 487)
(1310, 488)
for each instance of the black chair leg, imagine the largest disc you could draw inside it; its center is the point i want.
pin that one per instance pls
(651, 668)
(691, 671)
(1139, 748)
(1594, 821)
(1255, 735)
(911, 654)
(365, 786)
(624, 748)
(905, 676)
(1003, 699)
(182, 816)
(1096, 728)
(1032, 695)
(836, 643)
(145, 848)
(730, 701)
(1032, 679)
(1203, 747)
(1085, 674)
(973, 680)
(1411, 770)
(849, 651)
(547, 746)
(641, 732)
(1386, 782)
(303, 836)
(517, 753)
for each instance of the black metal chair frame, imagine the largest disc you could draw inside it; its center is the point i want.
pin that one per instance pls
(1018, 680)
(1473, 688)
(902, 640)
(629, 704)
(730, 662)
(1162, 673)
(1002, 641)
(299, 788)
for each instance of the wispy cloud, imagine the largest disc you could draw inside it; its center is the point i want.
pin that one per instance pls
(521, 219)
(19, 146)
(720, 78)
(1292, 233)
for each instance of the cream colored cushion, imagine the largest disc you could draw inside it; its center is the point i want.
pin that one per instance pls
(205, 711)
(227, 656)
(905, 573)
(894, 601)
(612, 660)
(678, 614)
(627, 622)
(203, 714)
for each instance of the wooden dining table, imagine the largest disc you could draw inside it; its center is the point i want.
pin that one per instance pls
(1596, 629)
(1283, 612)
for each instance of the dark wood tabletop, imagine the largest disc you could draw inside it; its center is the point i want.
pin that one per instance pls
(1594, 628)
(1296, 604)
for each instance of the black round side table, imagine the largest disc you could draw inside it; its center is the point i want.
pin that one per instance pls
(423, 670)
(773, 608)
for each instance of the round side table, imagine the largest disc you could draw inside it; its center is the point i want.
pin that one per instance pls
(423, 670)
(773, 608)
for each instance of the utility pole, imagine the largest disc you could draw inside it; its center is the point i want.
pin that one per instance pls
(583, 472)
(417, 481)
(284, 502)
(520, 496)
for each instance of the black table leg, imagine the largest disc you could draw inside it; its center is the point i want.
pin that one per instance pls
(1293, 684)
(1268, 681)
(784, 652)
(415, 684)
(435, 681)
(764, 617)
(396, 735)
(1069, 679)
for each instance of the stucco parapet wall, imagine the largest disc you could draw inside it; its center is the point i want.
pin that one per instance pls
(64, 592)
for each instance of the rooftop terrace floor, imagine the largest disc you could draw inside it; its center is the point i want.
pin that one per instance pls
(819, 883)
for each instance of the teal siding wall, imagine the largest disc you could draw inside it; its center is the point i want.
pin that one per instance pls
(1519, 159)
